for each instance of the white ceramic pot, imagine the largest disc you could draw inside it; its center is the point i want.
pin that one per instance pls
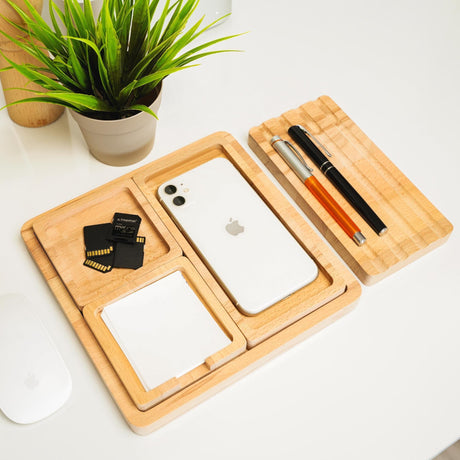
(120, 142)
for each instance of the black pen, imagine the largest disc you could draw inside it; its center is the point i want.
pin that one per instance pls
(300, 135)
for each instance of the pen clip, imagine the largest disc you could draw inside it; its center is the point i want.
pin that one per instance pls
(297, 154)
(326, 151)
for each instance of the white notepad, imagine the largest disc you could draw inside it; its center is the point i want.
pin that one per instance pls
(164, 330)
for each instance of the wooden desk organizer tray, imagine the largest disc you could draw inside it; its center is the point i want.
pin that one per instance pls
(145, 399)
(55, 240)
(415, 226)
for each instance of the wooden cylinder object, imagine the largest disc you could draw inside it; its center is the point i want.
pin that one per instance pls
(29, 114)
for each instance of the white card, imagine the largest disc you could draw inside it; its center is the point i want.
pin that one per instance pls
(164, 330)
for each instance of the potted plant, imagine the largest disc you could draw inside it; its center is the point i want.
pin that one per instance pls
(109, 71)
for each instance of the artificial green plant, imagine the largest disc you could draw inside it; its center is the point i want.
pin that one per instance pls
(109, 67)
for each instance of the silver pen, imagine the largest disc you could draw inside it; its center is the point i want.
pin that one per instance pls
(295, 161)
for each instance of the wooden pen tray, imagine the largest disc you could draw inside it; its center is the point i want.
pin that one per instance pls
(54, 239)
(415, 226)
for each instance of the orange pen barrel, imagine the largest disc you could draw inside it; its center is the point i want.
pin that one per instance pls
(334, 209)
(295, 161)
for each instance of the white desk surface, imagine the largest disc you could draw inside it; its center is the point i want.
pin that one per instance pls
(381, 383)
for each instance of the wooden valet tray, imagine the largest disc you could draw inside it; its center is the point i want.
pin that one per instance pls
(60, 232)
(415, 226)
(146, 399)
(54, 240)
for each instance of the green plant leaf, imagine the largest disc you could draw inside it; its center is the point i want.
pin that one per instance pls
(148, 61)
(62, 72)
(155, 32)
(76, 15)
(122, 24)
(169, 55)
(52, 7)
(44, 99)
(183, 60)
(89, 68)
(83, 102)
(37, 27)
(111, 64)
(139, 31)
(153, 7)
(31, 48)
(195, 50)
(89, 17)
(212, 24)
(142, 108)
(180, 17)
(156, 77)
(77, 70)
(112, 50)
(103, 73)
(175, 9)
(36, 77)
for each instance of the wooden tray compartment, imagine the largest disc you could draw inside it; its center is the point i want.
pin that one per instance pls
(60, 232)
(144, 422)
(328, 285)
(415, 226)
(146, 399)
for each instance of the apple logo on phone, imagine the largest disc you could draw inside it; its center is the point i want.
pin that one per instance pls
(234, 228)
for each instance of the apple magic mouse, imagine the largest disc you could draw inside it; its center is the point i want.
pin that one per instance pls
(34, 380)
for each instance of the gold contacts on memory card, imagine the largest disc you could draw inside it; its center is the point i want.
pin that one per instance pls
(99, 252)
(97, 266)
(96, 239)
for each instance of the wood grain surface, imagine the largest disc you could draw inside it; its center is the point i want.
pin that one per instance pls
(336, 296)
(146, 399)
(415, 226)
(60, 232)
(28, 114)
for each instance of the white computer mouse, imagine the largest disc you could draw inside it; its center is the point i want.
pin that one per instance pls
(34, 380)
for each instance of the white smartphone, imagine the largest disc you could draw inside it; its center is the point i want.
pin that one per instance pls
(257, 261)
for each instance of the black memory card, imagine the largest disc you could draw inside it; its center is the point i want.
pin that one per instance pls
(129, 255)
(96, 240)
(105, 259)
(125, 227)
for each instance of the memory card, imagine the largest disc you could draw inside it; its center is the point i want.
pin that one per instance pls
(97, 266)
(129, 255)
(106, 259)
(125, 227)
(96, 242)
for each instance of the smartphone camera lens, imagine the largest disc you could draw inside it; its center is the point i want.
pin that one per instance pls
(179, 200)
(170, 189)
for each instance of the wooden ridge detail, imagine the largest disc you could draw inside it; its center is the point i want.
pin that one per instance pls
(415, 226)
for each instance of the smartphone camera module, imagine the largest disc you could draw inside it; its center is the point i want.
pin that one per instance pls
(179, 200)
(170, 189)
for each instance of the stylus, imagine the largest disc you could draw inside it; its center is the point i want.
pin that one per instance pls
(295, 161)
(302, 137)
